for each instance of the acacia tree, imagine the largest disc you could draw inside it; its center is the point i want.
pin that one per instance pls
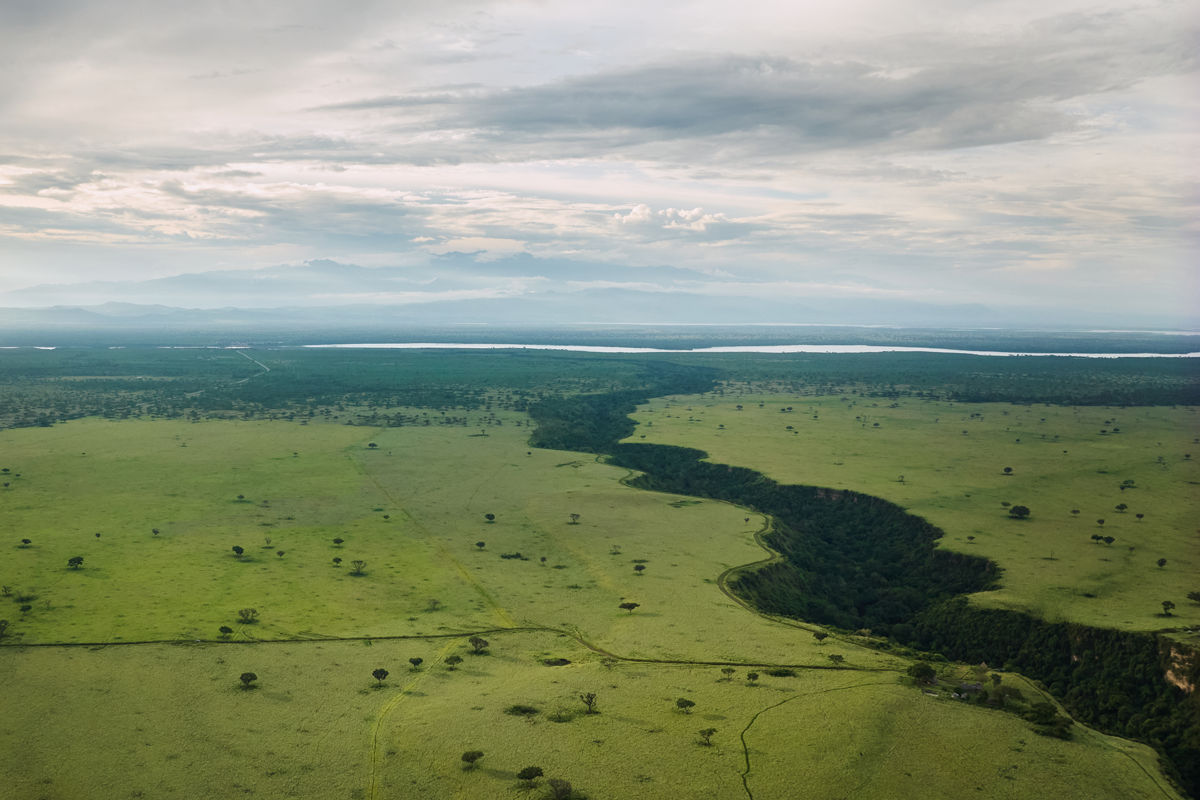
(574, 519)
(379, 675)
(338, 541)
(530, 774)
(237, 551)
(416, 663)
(226, 631)
(589, 700)
(684, 705)
(470, 757)
(820, 636)
(1020, 512)
(481, 545)
(479, 643)
(75, 563)
(247, 614)
(247, 678)
(728, 673)
(638, 568)
(1167, 606)
(358, 567)
(706, 736)
(26, 542)
(490, 517)
(630, 606)
(1162, 562)
(452, 662)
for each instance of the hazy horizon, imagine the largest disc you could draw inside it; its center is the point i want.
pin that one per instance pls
(1005, 155)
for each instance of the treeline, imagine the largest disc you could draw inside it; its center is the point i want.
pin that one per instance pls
(1112, 680)
(851, 560)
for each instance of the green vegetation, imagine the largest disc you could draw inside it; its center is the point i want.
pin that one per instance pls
(322, 483)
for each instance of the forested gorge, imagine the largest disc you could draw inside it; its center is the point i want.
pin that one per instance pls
(857, 562)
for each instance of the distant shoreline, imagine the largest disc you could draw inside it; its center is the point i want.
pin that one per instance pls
(785, 348)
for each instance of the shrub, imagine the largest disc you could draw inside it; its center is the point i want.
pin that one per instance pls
(520, 710)
(684, 705)
(530, 774)
(470, 757)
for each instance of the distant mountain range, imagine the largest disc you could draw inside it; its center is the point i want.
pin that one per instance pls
(458, 290)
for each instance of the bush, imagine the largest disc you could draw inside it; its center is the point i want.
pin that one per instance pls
(519, 710)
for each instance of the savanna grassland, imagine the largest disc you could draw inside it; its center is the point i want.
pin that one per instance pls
(958, 464)
(117, 680)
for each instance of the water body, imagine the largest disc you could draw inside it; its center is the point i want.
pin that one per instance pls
(784, 348)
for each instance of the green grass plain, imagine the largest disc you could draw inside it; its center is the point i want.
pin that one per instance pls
(88, 713)
(952, 458)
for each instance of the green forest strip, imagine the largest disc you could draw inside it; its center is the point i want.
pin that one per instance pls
(858, 562)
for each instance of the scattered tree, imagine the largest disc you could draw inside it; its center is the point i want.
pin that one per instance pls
(372, 445)
(616, 550)
(728, 673)
(338, 541)
(76, 562)
(480, 644)
(267, 541)
(490, 517)
(751, 678)
(358, 567)
(379, 675)
(543, 560)
(3, 627)
(820, 636)
(1122, 508)
(154, 531)
(433, 604)
(226, 631)
(837, 659)
(25, 609)
(470, 757)
(241, 497)
(630, 606)
(684, 705)
(480, 545)
(1075, 511)
(1109, 539)
(279, 553)
(416, 663)
(247, 615)
(1140, 517)
(589, 700)
(1008, 470)
(1100, 522)
(608, 663)
(1162, 562)
(639, 568)
(574, 519)
(560, 789)
(1194, 597)
(26, 542)
(923, 672)
(337, 562)
(1167, 606)
(1020, 512)
(238, 550)
(452, 662)
(247, 678)
(706, 736)
(530, 774)
(6, 591)
(97, 536)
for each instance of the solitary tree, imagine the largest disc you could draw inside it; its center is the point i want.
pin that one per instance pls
(238, 550)
(820, 636)
(416, 662)
(247, 678)
(1008, 470)
(1167, 606)
(76, 562)
(1020, 512)
(26, 542)
(490, 517)
(1075, 511)
(337, 562)
(530, 774)
(1100, 522)
(684, 705)
(574, 519)
(372, 445)
(706, 736)
(1140, 517)
(560, 789)
(154, 531)
(1109, 539)
(279, 553)
(470, 757)
(97, 536)
(589, 700)
(479, 643)
(751, 678)
(338, 541)
(922, 671)
(1162, 562)
(480, 545)
(452, 662)
(1122, 508)
(358, 567)
(247, 614)
(379, 675)
(630, 606)
(639, 568)
(226, 631)
(433, 604)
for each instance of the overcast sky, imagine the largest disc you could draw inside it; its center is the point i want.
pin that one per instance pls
(1004, 152)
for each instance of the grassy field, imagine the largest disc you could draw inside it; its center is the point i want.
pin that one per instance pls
(946, 462)
(90, 713)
